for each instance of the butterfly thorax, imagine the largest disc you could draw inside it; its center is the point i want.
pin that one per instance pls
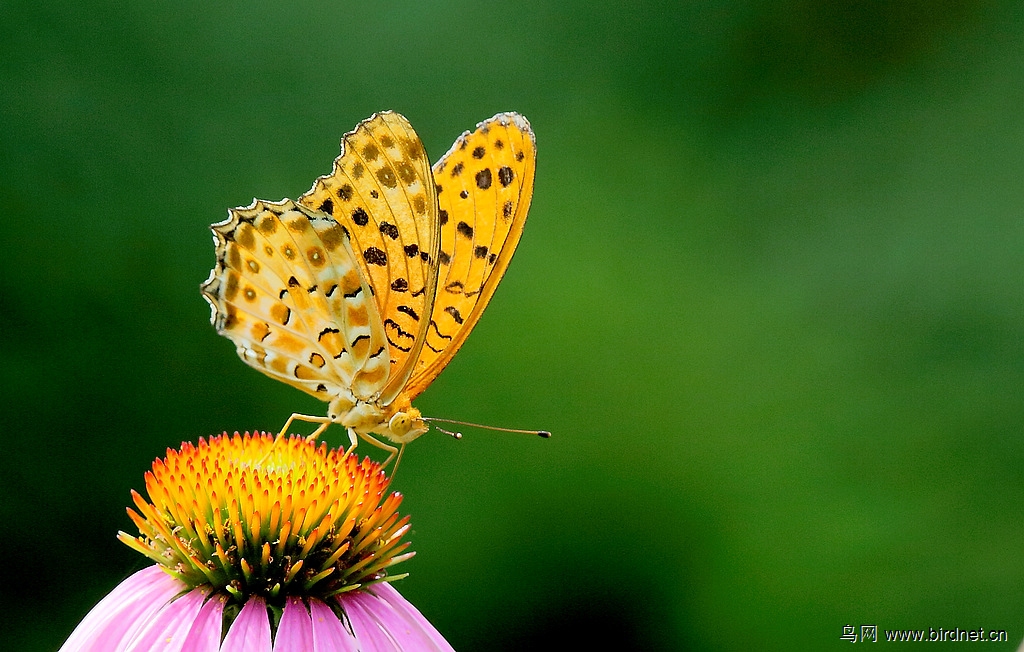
(398, 422)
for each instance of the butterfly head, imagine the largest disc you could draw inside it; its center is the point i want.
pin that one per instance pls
(406, 425)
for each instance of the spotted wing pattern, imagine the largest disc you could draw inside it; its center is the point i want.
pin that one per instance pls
(287, 291)
(381, 190)
(484, 185)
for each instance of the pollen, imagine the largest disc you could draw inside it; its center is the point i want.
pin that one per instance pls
(251, 516)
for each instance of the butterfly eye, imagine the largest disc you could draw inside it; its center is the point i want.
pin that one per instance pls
(399, 423)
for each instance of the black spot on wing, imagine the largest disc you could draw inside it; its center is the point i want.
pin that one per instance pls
(505, 175)
(483, 179)
(454, 312)
(408, 311)
(374, 256)
(390, 230)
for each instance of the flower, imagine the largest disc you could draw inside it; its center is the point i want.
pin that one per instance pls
(261, 544)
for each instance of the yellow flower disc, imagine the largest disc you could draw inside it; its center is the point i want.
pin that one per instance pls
(254, 516)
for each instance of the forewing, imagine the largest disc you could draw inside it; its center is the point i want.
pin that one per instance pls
(382, 191)
(287, 291)
(484, 185)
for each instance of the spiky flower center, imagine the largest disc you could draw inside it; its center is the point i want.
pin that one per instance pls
(257, 517)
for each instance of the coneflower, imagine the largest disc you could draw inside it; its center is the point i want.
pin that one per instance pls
(261, 546)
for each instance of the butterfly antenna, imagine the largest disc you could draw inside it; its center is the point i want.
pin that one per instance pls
(458, 435)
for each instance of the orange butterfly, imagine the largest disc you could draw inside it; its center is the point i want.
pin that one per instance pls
(362, 291)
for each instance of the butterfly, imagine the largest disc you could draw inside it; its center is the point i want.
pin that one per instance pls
(361, 291)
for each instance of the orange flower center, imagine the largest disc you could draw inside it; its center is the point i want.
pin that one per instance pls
(252, 516)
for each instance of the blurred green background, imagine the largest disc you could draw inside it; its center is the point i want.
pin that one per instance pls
(769, 300)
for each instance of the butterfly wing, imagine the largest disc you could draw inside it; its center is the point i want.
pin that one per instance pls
(382, 191)
(484, 185)
(287, 291)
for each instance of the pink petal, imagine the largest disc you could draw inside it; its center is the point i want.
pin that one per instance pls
(251, 630)
(295, 632)
(166, 630)
(369, 632)
(123, 612)
(329, 634)
(405, 623)
(205, 633)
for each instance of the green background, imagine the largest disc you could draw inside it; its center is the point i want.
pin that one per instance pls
(769, 301)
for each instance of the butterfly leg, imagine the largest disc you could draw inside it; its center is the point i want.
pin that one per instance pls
(352, 438)
(323, 421)
(387, 447)
(394, 469)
